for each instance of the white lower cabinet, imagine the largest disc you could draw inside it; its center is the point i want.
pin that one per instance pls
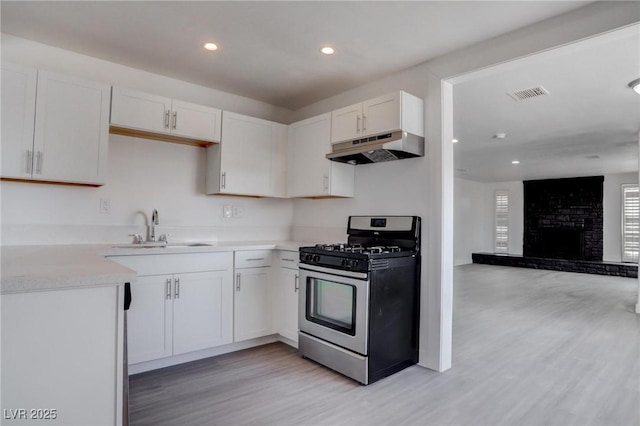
(62, 357)
(287, 282)
(181, 312)
(252, 301)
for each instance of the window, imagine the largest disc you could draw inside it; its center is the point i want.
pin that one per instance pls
(630, 223)
(502, 222)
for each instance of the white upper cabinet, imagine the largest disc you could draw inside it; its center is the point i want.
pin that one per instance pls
(18, 116)
(69, 134)
(346, 123)
(381, 114)
(157, 117)
(250, 159)
(394, 111)
(310, 173)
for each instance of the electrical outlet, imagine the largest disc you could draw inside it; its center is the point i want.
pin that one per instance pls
(238, 211)
(227, 211)
(105, 206)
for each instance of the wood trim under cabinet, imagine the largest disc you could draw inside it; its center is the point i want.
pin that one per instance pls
(124, 131)
(51, 182)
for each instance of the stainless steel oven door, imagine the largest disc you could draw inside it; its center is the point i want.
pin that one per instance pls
(334, 306)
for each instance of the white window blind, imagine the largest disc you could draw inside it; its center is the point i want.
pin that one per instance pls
(630, 223)
(502, 222)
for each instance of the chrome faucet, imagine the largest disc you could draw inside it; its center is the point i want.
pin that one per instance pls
(152, 228)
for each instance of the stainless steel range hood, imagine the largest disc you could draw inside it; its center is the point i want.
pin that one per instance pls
(376, 149)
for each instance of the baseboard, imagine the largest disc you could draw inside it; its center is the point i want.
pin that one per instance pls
(205, 353)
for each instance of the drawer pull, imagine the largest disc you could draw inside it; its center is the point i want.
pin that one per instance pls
(288, 260)
(255, 259)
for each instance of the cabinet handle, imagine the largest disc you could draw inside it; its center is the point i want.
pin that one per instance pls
(168, 288)
(39, 156)
(177, 293)
(288, 260)
(255, 259)
(224, 180)
(166, 119)
(238, 281)
(175, 119)
(358, 124)
(29, 164)
(297, 285)
(325, 182)
(364, 123)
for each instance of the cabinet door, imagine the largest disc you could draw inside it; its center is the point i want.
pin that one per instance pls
(195, 121)
(279, 147)
(309, 143)
(150, 318)
(202, 310)
(245, 155)
(18, 114)
(60, 351)
(252, 304)
(287, 304)
(71, 129)
(382, 114)
(141, 111)
(346, 123)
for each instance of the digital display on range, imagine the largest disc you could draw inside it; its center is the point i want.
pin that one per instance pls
(378, 223)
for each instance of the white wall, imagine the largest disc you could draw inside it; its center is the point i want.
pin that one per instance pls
(469, 220)
(474, 211)
(612, 214)
(142, 174)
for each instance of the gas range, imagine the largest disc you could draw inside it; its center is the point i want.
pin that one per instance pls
(359, 300)
(370, 241)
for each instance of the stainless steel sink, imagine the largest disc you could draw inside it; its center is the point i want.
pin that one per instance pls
(161, 245)
(188, 245)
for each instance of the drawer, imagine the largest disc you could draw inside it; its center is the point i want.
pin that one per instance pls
(252, 258)
(287, 259)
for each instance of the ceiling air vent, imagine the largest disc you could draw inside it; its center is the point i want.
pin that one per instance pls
(533, 92)
(592, 157)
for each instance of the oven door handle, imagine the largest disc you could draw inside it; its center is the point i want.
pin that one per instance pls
(333, 271)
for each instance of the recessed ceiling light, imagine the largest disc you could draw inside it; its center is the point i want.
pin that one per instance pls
(500, 136)
(635, 85)
(454, 140)
(327, 50)
(210, 46)
(515, 162)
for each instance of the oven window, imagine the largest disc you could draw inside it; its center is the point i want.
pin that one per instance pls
(331, 304)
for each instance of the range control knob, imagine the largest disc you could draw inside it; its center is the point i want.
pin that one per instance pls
(348, 263)
(308, 257)
(316, 258)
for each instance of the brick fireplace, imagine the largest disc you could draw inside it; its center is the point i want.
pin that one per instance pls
(563, 218)
(563, 229)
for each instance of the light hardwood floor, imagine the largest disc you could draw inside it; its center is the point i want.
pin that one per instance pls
(531, 347)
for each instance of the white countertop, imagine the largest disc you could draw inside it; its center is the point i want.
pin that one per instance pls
(58, 267)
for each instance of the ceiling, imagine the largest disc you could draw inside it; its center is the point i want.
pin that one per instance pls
(587, 125)
(269, 50)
